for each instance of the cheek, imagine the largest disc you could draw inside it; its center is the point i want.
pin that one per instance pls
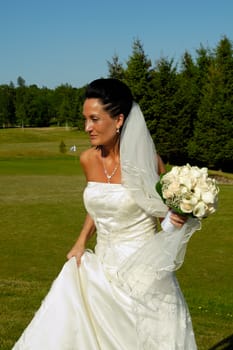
(110, 131)
(107, 129)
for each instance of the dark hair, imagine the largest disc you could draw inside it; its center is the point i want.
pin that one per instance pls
(115, 96)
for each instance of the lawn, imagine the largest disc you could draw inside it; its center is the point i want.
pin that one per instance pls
(42, 213)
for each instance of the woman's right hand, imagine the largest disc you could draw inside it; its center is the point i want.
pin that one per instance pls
(77, 251)
(79, 248)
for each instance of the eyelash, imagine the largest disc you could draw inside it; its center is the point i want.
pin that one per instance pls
(93, 120)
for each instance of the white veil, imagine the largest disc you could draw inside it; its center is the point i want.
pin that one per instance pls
(147, 271)
(139, 163)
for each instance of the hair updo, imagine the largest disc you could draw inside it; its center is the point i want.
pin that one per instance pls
(115, 96)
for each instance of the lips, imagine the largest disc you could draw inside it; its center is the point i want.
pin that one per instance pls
(93, 138)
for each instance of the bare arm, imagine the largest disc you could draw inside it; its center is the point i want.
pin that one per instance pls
(161, 165)
(79, 247)
(88, 228)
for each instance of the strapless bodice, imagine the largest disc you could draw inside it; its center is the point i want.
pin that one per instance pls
(116, 214)
(121, 225)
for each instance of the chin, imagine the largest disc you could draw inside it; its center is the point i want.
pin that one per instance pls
(95, 143)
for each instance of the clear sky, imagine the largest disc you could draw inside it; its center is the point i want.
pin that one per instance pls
(53, 42)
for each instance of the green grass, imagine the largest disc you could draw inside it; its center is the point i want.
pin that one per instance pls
(41, 215)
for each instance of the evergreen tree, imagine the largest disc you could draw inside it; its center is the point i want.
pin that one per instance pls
(38, 106)
(203, 62)
(65, 103)
(115, 68)
(137, 75)
(212, 141)
(162, 120)
(21, 103)
(7, 106)
(21, 82)
(187, 102)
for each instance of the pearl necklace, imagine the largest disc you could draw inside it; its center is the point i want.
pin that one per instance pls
(109, 176)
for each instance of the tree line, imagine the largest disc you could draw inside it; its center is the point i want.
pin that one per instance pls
(188, 106)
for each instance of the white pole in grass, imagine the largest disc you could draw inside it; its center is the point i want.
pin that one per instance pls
(74, 149)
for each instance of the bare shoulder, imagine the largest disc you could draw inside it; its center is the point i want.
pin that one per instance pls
(88, 161)
(86, 156)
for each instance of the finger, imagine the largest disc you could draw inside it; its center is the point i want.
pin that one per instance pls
(79, 261)
(177, 224)
(79, 258)
(177, 221)
(70, 255)
(178, 218)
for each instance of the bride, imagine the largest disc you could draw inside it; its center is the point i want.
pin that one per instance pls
(124, 295)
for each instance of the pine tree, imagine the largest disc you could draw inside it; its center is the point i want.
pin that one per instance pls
(137, 75)
(213, 134)
(115, 68)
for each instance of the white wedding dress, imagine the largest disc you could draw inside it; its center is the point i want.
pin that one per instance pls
(124, 296)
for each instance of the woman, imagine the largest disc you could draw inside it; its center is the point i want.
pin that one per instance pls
(125, 295)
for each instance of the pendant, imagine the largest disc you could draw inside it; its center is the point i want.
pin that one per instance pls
(112, 174)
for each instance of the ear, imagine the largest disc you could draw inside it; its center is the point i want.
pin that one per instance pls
(120, 120)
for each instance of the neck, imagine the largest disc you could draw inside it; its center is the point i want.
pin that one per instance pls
(110, 151)
(110, 161)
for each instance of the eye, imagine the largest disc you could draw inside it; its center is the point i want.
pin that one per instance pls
(94, 119)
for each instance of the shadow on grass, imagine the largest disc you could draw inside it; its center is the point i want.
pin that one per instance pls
(225, 344)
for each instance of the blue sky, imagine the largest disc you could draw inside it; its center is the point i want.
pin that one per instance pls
(50, 42)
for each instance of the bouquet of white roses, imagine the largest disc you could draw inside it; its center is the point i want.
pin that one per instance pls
(188, 190)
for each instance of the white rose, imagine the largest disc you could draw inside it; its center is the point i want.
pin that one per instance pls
(208, 197)
(171, 190)
(191, 198)
(200, 209)
(197, 192)
(186, 181)
(201, 187)
(204, 172)
(213, 186)
(184, 191)
(188, 202)
(196, 172)
(167, 194)
(185, 170)
(168, 178)
(175, 171)
(174, 187)
(186, 206)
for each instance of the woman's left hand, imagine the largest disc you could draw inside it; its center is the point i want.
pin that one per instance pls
(177, 219)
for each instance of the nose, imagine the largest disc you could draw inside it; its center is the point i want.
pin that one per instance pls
(88, 125)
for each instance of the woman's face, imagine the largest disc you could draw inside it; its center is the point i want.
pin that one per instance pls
(98, 123)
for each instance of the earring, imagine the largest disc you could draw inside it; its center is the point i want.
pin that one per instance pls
(117, 130)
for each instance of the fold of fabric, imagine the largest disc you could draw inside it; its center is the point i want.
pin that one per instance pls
(81, 311)
(160, 255)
